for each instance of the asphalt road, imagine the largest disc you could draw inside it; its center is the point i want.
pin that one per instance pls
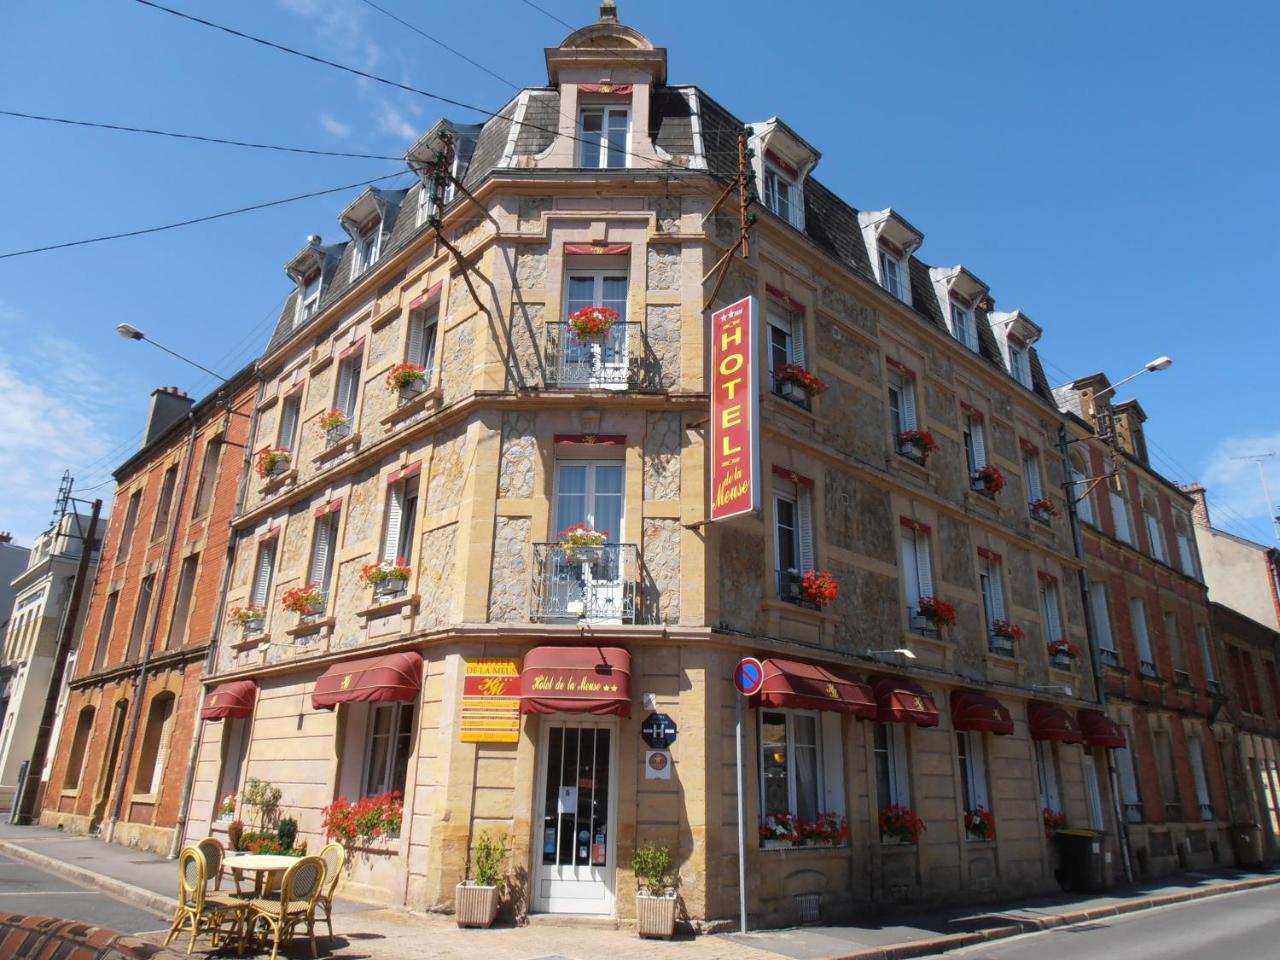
(1235, 926)
(25, 888)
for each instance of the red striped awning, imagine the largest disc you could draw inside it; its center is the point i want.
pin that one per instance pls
(1048, 721)
(971, 710)
(1100, 730)
(898, 700)
(808, 686)
(230, 700)
(394, 677)
(593, 680)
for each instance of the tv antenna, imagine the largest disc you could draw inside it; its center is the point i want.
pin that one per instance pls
(1258, 459)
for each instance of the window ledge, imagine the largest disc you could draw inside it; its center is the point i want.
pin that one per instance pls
(279, 482)
(910, 465)
(772, 603)
(428, 398)
(384, 316)
(268, 403)
(351, 442)
(307, 627)
(69, 794)
(406, 604)
(319, 363)
(144, 798)
(250, 643)
(841, 848)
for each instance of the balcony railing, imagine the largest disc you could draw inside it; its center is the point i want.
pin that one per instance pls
(584, 584)
(908, 451)
(614, 360)
(1181, 678)
(1206, 811)
(999, 644)
(1133, 812)
(1109, 657)
(1212, 686)
(1147, 668)
(789, 589)
(917, 623)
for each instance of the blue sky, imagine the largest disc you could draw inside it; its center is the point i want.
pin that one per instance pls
(1106, 168)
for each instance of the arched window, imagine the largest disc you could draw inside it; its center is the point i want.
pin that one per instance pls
(1080, 491)
(1155, 531)
(155, 745)
(79, 744)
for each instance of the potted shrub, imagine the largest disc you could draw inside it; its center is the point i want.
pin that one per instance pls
(1003, 634)
(264, 797)
(581, 542)
(306, 601)
(989, 480)
(1063, 653)
(409, 379)
(917, 444)
(390, 578)
(980, 824)
(235, 834)
(592, 323)
(273, 461)
(336, 427)
(796, 383)
(819, 588)
(477, 899)
(899, 824)
(655, 896)
(249, 618)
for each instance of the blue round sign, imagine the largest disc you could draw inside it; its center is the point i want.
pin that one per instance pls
(749, 676)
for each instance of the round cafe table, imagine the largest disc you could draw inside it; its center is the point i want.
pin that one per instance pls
(267, 869)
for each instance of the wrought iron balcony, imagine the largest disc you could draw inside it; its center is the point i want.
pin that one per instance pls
(584, 584)
(614, 360)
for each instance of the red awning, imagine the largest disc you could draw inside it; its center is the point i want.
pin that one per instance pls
(576, 680)
(229, 700)
(807, 686)
(1100, 730)
(386, 679)
(898, 700)
(1048, 721)
(971, 710)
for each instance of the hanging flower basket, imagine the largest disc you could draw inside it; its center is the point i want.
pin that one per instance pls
(980, 824)
(819, 588)
(921, 441)
(1054, 820)
(387, 577)
(272, 462)
(409, 379)
(581, 542)
(989, 480)
(937, 612)
(593, 322)
(1043, 508)
(796, 377)
(336, 426)
(901, 824)
(307, 601)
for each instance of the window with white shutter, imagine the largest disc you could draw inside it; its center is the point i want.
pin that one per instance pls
(1206, 655)
(398, 532)
(421, 349)
(972, 754)
(1186, 559)
(1120, 514)
(287, 435)
(902, 401)
(785, 329)
(1020, 365)
(1080, 493)
(155, 745)
(1047, 769)
(975, 444)
(917, 572)
(348, 384)
(963, 326)
(308, 298)
(1138, 621)
(793, 533)
(323, 545)
(263, 572)
(891, 274)
(1155, 535)
(1031, 474)
(1051, 611)
(1102, 622)
(1195, 752)
(1130, 798)
(893, 783)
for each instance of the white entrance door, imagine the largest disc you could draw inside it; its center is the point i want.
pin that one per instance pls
(599, 361)
(576, 826)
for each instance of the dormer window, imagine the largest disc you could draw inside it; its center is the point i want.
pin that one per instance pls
(308, 299)
(781, 160)
(603, 135)
(1020, 364)
(963, 327)
(1015, 332)
(367, 249)
(890, 241)
(890, 273)
(779, 193)
(957, 291)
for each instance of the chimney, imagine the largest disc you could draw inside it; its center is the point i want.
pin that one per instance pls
(1199, 512)
(168, 406)
(6, 536)
(1129, 418)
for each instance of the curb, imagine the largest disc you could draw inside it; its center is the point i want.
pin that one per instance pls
(957, 941)
(149, 900)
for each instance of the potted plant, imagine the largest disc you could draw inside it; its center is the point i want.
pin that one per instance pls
(248, 618)
(1003, 634)
(899, 824)
(477, 900)
(409, 379)
(779, 831)
(582, 543)
(366, 820)
(227, 808)
(1063, 653)
(980, 824)
(655, 896)
(1042, 508)
(336, 426)
(306, 601)
(264, 797)
(590, 323)
(235, 833)
(829, 830)
(1054, 820)
(938, 613)
(819, 588)
(796, 383)
(917, 444)
(273, 461)
(988, 480)
(389, 578)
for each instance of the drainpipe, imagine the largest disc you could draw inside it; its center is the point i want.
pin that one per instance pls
(211, 658)
(177, 507)
(1095, 658)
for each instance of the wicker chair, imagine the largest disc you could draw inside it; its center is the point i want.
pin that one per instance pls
(214, 852)
(296, 905)
(202, 912)
(334, 856)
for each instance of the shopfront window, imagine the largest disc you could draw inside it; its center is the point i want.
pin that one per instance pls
(390, 739)
(790, 764)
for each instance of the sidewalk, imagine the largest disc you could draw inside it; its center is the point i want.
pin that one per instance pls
(372, 933)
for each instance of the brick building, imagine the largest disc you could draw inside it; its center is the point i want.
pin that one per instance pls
(124, 744)
(442, 685)
(1153, 637)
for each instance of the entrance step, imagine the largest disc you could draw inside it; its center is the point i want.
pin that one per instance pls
(579, 920)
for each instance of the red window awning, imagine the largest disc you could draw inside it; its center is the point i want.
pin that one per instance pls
(1100, 730)
(576, 680)
(971, 710)
(807, 686)
(386, 679)
(1048, 721)
(229, 700)
(898, 700)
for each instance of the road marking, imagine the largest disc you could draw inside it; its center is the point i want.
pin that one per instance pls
(41, 893)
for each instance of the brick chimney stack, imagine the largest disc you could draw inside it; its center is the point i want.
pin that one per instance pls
(1199, 512)
(6, 536)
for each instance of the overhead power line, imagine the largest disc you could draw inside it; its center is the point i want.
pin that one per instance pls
(204, 219)
(439, 43)
(193, 136)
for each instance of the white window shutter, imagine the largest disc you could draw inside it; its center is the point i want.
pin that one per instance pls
(970, 330)
(1031, 467)
(395, 513)
(288, 423)
(978, 770)
(910, 567)
(417, 331)
(804, 529)
(924, 567)
(908, 394)
(797, 340)
(262, 581)
(321, 551)
(162, 751)
(979, 444)
(997, 590)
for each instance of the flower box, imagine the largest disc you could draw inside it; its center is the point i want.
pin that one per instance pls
(307, 601)
(989, 480)
(273, 462)
(391, 586)
(389, 578)
(1062, 653)
(1000, 645)
(582, 544)
(916, 444)
(1043, 509)
(979, 824)
(476, 906)
(819, 588)
(412, 390)
(656, 915)
(1061, 661)
(335, 435)
(790, 390)
(592, 323)
(796, 383)
(900, 824)
(937, 612)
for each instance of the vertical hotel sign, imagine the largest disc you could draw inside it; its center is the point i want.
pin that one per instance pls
(735, 411)
(491, 701)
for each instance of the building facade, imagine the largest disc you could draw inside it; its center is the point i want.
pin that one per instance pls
(1153, 638)
(1240, 573)
(474, 552)
(42, 593)
(123, 749)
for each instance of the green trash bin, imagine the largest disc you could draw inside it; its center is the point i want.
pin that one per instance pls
(1080, 860)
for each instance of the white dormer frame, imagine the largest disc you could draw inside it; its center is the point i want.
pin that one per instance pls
(887, 234)
(420, 154)
(781, 152)
(957, 287)
(307, 268)
(365, 220)
(1015, 332)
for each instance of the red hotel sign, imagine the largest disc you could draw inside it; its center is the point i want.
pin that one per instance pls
(735, 411)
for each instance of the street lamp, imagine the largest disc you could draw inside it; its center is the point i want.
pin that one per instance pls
(900, 651)
(130, 332)
(1154, 366)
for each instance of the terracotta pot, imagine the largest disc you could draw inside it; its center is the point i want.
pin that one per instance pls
(476, 906)
(655, 916)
